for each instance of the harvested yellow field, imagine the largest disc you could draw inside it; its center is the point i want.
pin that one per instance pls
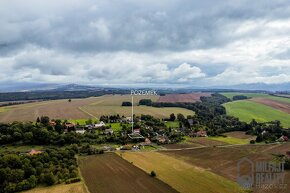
(86, 108)
(68, 188)
(182, 176)
(111, 104)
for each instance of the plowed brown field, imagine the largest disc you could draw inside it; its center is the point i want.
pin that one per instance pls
(274, 104)
(223, 160)
(109, 173)
(186, 98)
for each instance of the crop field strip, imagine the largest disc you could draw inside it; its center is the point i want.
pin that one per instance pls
(58, 109)
(111, 174)
(282, 106)
(188, 98)
(67, 188)
(111, 104)
(257, 95)
(223, 160)
(180, 175)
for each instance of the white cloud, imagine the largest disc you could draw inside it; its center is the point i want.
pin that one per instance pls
(185, 73)
(128, 42)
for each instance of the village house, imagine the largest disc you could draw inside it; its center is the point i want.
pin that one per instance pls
(146, 142)
(128, 119)
(201, 134)
(68, 127)
(52, 123)
(98, 125)
(136, 131)
(80, 130)
(34, 152)
(283, 139)
(108, 131)
(161, 139)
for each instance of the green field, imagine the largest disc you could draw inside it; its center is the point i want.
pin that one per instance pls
(81, 121)
(181, 175)
(22, 149)
(172, 124)
(116, 126)
(247, 110)
(256, 95)
(231, 140)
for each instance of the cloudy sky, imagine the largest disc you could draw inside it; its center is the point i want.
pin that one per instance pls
(145, 42)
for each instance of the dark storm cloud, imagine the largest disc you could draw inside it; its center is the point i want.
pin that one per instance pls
(173, 41)
(97, 26)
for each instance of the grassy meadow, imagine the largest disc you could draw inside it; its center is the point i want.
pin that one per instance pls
(230, 140)
(172, 124)
(64, 188)
(247, 110)
(230, 95)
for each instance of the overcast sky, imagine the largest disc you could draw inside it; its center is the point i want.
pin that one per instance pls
(110, 42)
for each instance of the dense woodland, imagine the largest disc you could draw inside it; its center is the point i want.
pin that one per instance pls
(52, 95)
(20, 172)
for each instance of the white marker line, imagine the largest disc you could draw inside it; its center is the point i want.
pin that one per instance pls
(132, 114)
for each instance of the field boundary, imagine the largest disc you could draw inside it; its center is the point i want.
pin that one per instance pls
(185, 174)
(119, 154)
(80, 108)
(81, 176)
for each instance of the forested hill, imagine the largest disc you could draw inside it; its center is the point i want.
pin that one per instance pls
(50, 95)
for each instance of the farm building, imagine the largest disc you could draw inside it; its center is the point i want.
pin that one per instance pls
(98, 125)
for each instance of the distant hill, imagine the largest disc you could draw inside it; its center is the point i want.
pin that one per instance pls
(28, 87)
(25, 87)
(74, 87)
(260, 86)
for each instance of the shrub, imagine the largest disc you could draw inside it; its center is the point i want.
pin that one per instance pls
(126, 104)
(73, 180)
(252, 142)
(152, 174)
(147, 102)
